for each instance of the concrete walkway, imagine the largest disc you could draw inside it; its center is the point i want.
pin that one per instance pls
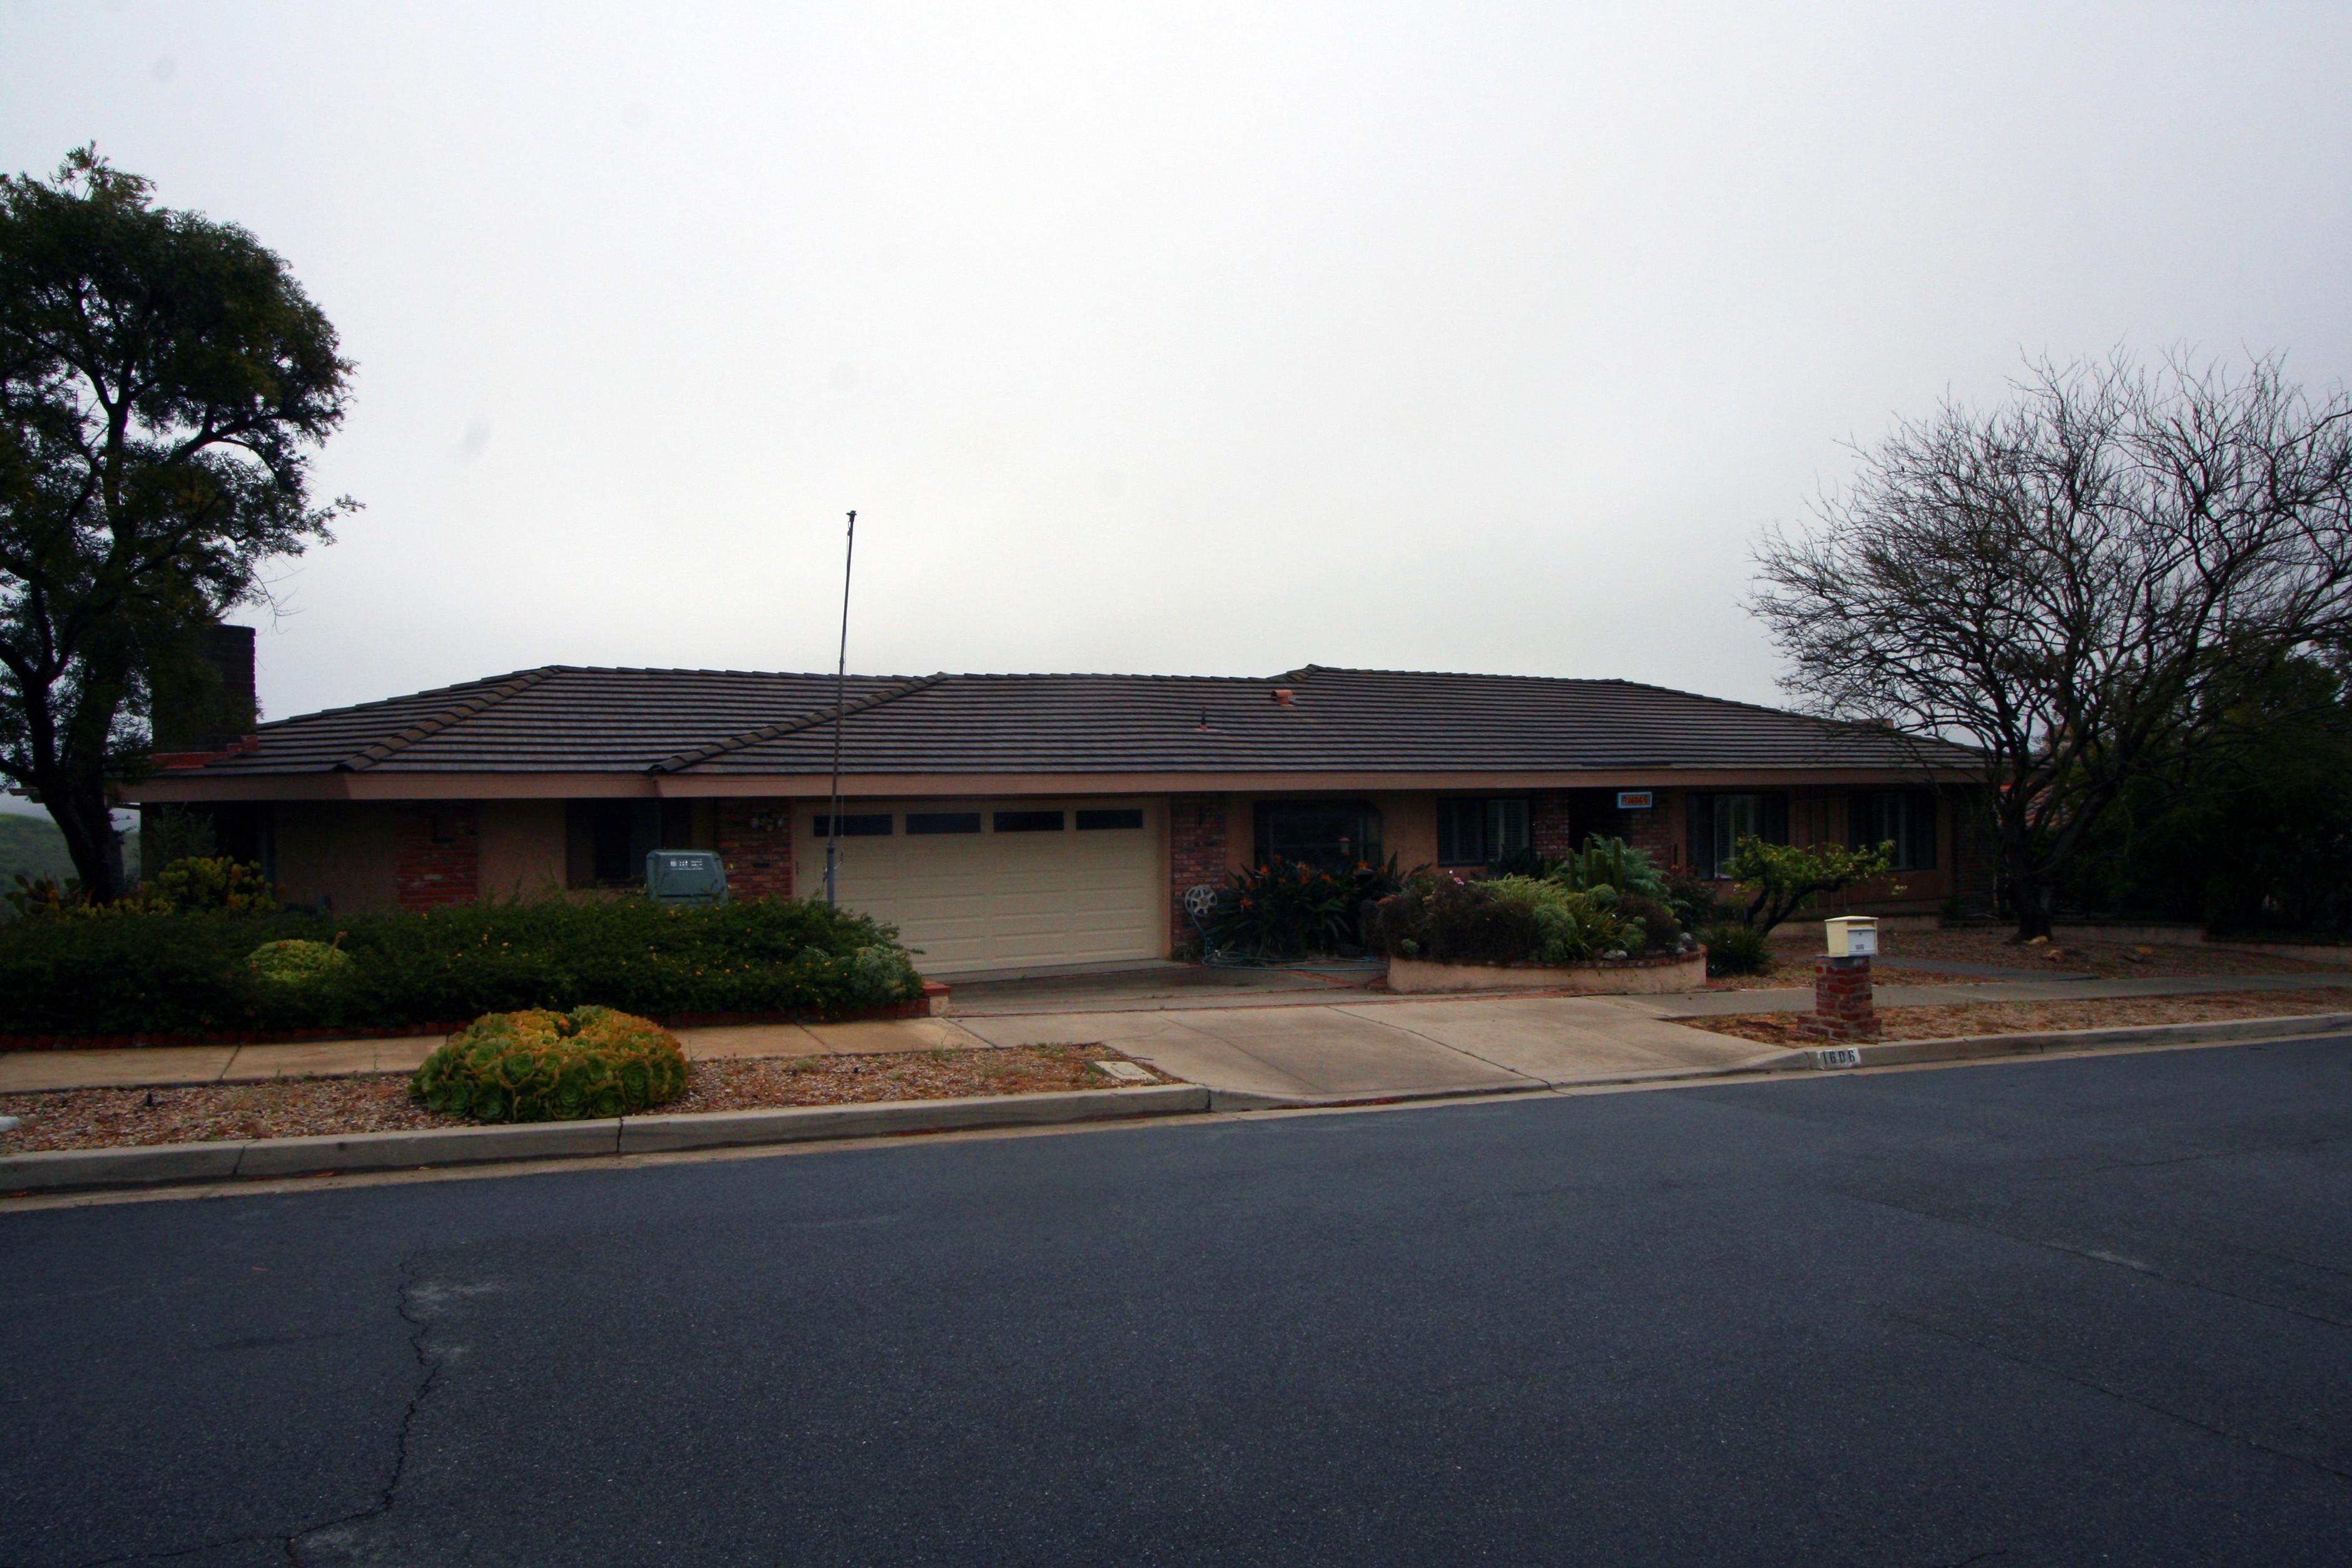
(1406, 1046)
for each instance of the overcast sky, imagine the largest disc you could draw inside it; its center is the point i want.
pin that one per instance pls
(1177, 339)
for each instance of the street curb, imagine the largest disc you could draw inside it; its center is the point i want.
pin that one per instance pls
(253, 1158)
(1253, 1099)
(801, 1124)
(1960, 1048)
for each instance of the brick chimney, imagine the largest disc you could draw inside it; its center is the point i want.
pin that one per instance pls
(211, 711)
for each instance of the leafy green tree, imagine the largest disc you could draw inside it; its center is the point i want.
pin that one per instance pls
(2250, 827)
(163, 378)
(1780, 877)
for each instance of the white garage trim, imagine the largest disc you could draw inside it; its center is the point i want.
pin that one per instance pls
(1002, 900)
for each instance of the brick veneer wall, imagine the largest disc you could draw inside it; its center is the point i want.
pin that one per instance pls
(1652, 831)
(436, 856)
(1549, 826)
(1196, 853)
(755, 840)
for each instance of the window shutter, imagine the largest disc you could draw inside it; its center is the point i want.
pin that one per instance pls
(1701, 823)
(1858, 815)
(1772, 818)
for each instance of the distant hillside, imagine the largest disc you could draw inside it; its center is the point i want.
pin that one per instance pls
(34, 845)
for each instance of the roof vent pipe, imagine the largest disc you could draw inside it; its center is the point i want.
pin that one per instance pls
(1282, 696)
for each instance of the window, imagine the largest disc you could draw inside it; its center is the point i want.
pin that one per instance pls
(1334, 835)
(854, 825)
(1475, 832)
(606, 841)
(1125, 816)
(1028, 822)
(943, 822)
(1719, 822)
(1907, 817)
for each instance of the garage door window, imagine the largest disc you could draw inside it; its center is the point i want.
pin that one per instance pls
(856, 825)
(943, 822)
(1029, 822)
(1131, 816)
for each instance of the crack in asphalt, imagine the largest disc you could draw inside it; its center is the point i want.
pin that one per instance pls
(412, 1295)
(429, 1363)
(2322, 1465)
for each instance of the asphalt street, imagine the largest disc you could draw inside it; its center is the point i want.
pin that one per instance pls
(2081, 1310)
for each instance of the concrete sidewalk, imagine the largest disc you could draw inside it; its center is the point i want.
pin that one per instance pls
(1277, 1039)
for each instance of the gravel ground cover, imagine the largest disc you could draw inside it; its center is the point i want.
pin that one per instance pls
(1796, 944)
(1793, 966)
(2109, 959)
(293, 1108)
(2032, 1018)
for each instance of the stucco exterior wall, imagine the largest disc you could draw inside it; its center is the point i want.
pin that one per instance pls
(522, 845)
(341, 850)
(1408, 828)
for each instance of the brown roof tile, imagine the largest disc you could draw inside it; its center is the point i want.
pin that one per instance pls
(565, 718)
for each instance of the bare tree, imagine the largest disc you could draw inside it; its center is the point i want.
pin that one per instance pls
(2063, 583)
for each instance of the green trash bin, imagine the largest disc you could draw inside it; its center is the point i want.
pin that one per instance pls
(685, 879)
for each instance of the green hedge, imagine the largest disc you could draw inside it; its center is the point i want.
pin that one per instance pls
(153, 973)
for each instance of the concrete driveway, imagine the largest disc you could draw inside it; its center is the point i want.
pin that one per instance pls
(1363, 1048)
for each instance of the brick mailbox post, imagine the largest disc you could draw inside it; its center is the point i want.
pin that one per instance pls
(1842, 1006)
(1842, 990)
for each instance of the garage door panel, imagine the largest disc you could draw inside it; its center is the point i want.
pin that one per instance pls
(989, 900)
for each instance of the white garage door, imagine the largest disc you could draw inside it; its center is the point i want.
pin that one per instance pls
(1000, 884)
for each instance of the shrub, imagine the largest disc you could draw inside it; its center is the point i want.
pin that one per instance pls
(295, 962)
(46, 897)
(1287, 909)
(1661, 932)
(542, 1065)
(205, 885)
(1783, 876)
(194, 973)
(1502, 919)
(1735, 949)
(1613, 864)
(1522, 862)
(1696, 902)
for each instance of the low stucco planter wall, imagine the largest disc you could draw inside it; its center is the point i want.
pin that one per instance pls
(1624, 976)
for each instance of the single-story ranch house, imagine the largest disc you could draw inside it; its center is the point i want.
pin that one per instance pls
(1028, 820)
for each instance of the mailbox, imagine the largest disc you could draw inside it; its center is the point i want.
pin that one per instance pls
(685, 877)
(1852, 936)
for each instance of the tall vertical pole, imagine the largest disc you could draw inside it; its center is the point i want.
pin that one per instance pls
(840, 700)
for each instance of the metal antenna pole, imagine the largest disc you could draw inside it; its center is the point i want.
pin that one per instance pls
(840, 700)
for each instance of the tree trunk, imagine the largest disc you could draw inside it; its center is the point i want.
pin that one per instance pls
(2033, 890)
(2034, 900)
(84, 818)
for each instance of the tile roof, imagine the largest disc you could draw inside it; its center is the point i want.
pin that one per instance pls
(566, 719)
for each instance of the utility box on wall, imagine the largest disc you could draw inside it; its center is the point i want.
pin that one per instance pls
(686, 877)
(1852, 936)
